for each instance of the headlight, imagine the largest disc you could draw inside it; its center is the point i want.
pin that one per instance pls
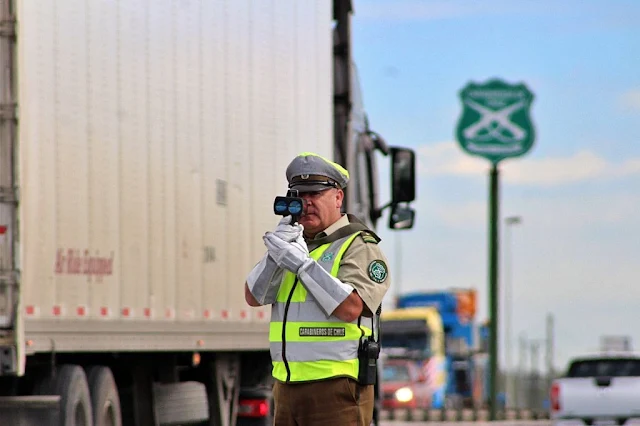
(404, 394)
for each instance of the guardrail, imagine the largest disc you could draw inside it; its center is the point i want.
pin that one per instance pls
(466, 415)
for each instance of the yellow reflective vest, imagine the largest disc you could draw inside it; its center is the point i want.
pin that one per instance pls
(306, 345)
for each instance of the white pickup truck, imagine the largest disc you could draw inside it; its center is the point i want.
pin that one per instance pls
(598, 390)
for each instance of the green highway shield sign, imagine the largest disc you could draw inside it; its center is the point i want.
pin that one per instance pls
(495, 122)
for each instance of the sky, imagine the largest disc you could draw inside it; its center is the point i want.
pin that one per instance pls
(576, 253)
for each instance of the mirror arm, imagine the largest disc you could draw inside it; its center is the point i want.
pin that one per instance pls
(376, 212)
(379, 143)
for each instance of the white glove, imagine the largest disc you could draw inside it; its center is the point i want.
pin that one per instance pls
(328, 291)
(288, 255)
(288, 232)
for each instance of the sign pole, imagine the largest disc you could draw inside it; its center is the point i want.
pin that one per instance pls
(493, 288)
(495, 124)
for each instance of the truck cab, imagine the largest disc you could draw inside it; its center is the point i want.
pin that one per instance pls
(457, 308)
(358, 147)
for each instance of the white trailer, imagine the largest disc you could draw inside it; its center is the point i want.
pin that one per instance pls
(141, 145)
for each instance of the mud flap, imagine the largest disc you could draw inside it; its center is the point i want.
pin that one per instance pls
(223, 389)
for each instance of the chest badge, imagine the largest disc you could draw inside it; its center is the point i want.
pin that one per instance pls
(327, 257)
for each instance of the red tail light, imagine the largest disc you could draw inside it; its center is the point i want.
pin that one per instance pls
(253, 408)
(555, 397)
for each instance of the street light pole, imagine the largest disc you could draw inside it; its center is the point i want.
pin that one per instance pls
(508, 308)
(550, 349)
(522, 372)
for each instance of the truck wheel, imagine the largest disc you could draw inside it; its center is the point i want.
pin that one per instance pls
(105, 401)
(70, 383)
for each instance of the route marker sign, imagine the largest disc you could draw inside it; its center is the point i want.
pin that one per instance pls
(495, 122)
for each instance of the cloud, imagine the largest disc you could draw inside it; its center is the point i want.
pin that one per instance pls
(448, 159)
(570, 254)
(630, 167)
(630, 100)
(582, 166)
(465, 215)
(545, 213)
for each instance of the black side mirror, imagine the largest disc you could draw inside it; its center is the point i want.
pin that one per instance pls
(403, 175)
(401, 217)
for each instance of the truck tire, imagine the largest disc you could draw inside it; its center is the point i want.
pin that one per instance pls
(105, 401)
(70, 383)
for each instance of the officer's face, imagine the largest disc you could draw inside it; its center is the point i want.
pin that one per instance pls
(322, 209)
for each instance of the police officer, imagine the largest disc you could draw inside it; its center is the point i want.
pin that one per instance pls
(325, 278)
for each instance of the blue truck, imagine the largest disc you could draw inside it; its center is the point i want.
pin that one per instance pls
(465, 343)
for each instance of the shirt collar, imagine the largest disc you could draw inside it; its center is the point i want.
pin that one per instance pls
(343, 221)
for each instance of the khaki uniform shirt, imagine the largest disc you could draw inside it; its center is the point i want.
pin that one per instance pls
(357, 268)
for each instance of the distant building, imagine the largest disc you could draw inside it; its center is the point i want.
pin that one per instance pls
(615, 344)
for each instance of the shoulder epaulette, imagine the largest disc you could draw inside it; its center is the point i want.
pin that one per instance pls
(369, 237)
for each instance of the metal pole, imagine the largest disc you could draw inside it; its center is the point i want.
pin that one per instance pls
(507, 313)
(550, 343)
(534, 385)
(398, 264)
(508, 307)
(493, 291)
(522, 374)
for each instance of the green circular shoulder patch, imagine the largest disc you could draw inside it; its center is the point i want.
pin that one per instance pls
(378, 271)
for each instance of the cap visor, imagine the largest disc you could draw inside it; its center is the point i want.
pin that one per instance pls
(311, 187)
